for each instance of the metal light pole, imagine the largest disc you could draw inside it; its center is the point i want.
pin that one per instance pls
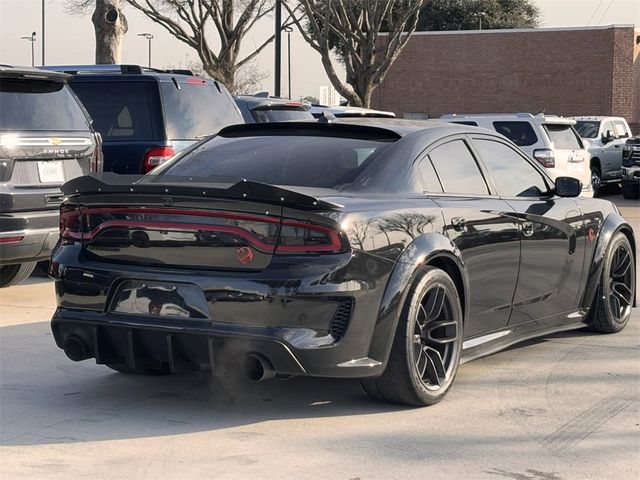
(149, 37)
(277, 72)
(43, 32)
(32, 39)
(289, 30)
(480, 15)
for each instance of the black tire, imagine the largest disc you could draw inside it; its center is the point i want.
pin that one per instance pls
(416, 342)
(124, 368)
(14, 274)
(631, 191)
(612, 306)
(596, 180)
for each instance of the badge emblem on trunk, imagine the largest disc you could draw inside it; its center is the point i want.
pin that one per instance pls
(244, 254)
(55, 141)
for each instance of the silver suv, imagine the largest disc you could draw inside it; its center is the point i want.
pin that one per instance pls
(548, 139)
(604, 137)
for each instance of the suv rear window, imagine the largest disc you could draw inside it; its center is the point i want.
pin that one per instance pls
(520, 133)
(307, 161)
(39, 105)
(120, 110)
(196, 110)
(563, 136)
(280, 115)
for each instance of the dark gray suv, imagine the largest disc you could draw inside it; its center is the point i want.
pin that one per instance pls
(46, 138)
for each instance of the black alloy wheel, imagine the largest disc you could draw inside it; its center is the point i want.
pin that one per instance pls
(426, 347)
(596, 180)
(615, 296)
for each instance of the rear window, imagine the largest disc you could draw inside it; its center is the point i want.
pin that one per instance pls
(39, 105)
(281, 115)
(587, 129)
(197, 110)
(563, 136)
(308, 161)
(120, 110)
(466, 122)
(520, 133)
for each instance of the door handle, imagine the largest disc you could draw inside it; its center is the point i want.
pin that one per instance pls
(616, 146)
(527, 229)
(458, 224)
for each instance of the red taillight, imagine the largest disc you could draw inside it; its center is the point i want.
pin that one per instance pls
(545, 157)
(301, 237)
(10, 239)
(70, 224)
(157, 156)
(97, 159)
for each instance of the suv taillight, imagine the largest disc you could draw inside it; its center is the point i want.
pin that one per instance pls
(301, 237)
(97, 159)
(156, 156)
(545, 157)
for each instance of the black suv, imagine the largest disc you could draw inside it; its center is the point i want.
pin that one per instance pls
(46, 138)
(265, 109)
(631, 168)
(146, 115)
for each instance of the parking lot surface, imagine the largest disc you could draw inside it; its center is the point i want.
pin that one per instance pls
(562, 407)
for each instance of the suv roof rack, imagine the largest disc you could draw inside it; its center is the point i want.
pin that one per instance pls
(465, 115)
(125, 69)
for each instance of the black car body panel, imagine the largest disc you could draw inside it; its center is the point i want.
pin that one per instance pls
(45, 140)
(523, 266)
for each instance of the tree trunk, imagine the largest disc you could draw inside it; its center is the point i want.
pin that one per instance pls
(110, 26)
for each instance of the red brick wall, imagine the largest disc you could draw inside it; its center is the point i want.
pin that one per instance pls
(567, 72)
(635, 110)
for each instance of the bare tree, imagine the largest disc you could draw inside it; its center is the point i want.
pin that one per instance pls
(109, 23)
(248, 78)
(190, 20)
(351, 29)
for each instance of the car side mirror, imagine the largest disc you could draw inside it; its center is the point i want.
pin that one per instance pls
(568, 187)
(607, 137)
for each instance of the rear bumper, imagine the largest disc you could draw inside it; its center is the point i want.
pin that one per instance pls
(291, 313)
(631, 174)
(27, 236)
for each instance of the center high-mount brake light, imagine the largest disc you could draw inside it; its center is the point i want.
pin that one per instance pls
(157, 156)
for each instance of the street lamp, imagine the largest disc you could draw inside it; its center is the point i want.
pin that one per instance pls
(289, 30)
(32, 39)
(479, 15)
(277, 70)
(149, 37)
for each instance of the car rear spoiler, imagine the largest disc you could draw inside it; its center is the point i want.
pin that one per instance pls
(207, 187)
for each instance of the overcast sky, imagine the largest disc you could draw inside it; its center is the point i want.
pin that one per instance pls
(70, 40)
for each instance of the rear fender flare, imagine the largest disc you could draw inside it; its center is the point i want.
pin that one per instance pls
(421, 251)
(612, 224)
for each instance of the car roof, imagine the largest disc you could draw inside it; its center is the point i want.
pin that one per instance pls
(598, 118)
(128, 72)
(253, 101)
(31, 73)
(540, 118)
(348, 111)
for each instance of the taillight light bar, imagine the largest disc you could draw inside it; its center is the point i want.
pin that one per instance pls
(16, 239)
(545, 157)
(156, 156)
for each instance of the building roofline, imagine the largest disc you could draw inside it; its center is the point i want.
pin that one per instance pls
(523, 30)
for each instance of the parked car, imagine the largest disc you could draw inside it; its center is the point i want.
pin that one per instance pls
(350, 112)
(262, 109)
(604, 138)
(45, 139)
(548, 139)
(146, 115)
(631, 168)
(386, 251)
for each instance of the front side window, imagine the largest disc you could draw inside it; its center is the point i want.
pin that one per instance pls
(520, 133)
(512, 174)
(457, 169)
(39, 105)
(563, 137)
(587, 129)
(302, 160)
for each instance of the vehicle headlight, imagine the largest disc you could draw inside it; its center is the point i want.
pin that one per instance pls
(626, 148)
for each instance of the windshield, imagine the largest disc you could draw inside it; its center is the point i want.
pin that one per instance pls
(39, 105)
(587, 129)
(308, 161)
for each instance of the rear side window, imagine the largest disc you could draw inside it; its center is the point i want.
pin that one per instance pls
(457, 169)
(120, 110)
(280, 115)
(563, 136)
(196, 110)
(520, 133)
(309, 161)
(39, 105)
(512, 175)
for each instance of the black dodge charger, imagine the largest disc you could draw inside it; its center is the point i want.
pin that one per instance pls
(384, 250)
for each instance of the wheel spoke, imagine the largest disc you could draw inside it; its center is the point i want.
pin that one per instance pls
(622, 264)
(435, 302)
(421, 313)
(615, 305)
(442, 332)
(621, 291)
(435, 366)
